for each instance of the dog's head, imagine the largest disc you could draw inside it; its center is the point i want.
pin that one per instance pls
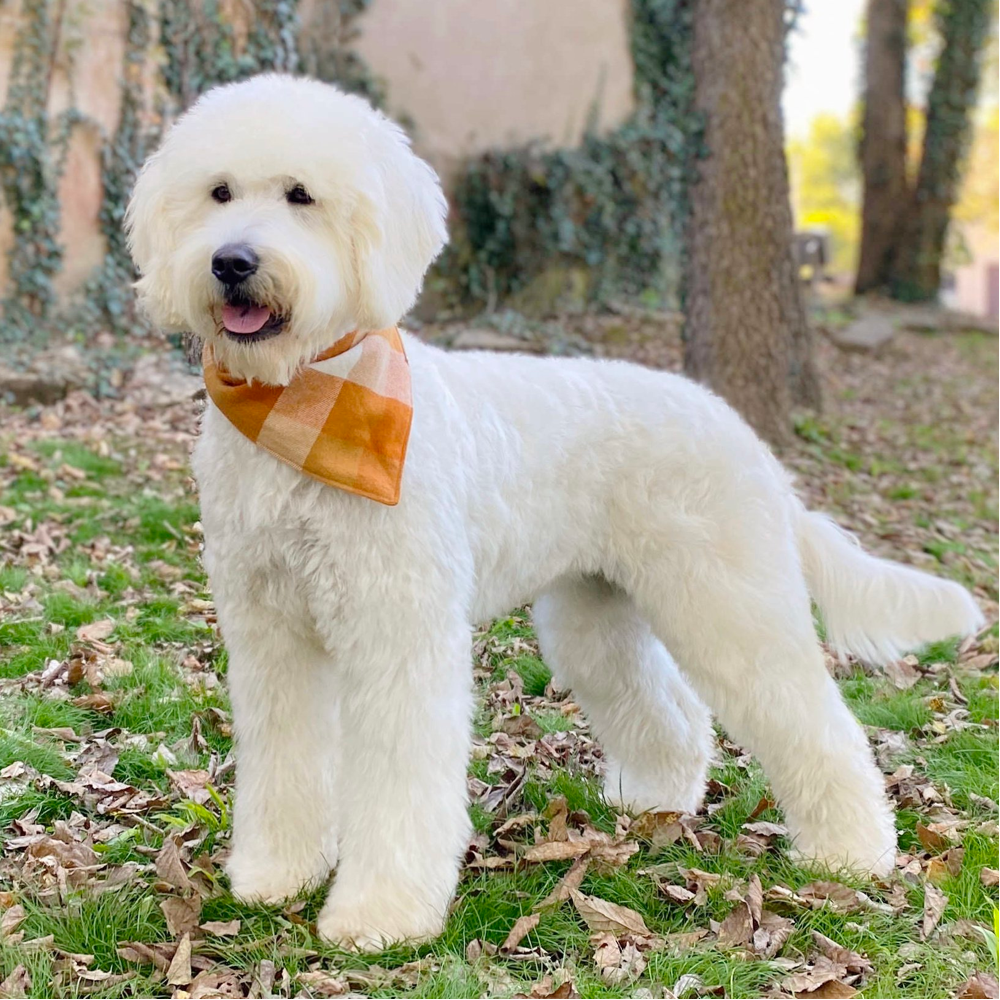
(279, 214)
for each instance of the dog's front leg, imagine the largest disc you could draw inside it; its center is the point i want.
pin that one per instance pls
(287, 745)
(406, 714)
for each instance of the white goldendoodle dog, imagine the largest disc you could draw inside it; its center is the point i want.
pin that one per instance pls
(635, 508)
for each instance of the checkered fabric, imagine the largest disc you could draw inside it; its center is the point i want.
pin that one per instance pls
(344, 419)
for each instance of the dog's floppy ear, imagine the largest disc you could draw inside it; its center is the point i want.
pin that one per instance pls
(144, 214)
(399, 228)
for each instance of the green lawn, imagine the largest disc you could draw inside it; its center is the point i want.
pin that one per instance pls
(116, 781)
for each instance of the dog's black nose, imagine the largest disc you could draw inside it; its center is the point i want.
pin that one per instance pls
(233, 263)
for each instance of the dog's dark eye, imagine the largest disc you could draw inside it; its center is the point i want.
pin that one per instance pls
(221, 194)
(298, 195)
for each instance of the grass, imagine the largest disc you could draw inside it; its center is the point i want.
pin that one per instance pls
(120, 541)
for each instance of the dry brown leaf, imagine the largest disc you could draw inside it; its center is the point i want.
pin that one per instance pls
(99, 701)
(931, 839)
(523, 926)
(935, 902)
(179, 970)
(543, 990)
(600, 915)
(765, 829)
(979, 986)
(659, 829)
(17, 984)
(833, 989)
(191, 784)
(989, 876)
(95, 631)
(222, 928)
(822, 971)
(678, 894)
(737, 928)
(11, 919)
(216, 983)
(323, 984)
(555, 850)
(903, 673)
(771, 934)
(169, 866)
(617, 962)
(182, 914)
(573, 879)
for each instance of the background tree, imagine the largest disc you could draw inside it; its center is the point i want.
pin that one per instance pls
(915, 273)
(883, 140)
(746, 332)
(904, 227)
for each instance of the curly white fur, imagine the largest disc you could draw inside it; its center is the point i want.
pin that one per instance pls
(635, 506)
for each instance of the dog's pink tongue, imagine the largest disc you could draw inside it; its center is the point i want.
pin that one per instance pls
(244, 319)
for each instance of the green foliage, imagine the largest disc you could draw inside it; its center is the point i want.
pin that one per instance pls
(826, 187)
(32, 156)
(614, 208)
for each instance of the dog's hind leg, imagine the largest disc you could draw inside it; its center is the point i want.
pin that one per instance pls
(287, 742)
(731, 604)
(657, 735)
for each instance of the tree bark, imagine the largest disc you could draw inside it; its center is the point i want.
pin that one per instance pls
(883, 141)
(916, 270)
(746, 333)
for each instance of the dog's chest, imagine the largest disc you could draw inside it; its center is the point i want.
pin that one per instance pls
(265, 535)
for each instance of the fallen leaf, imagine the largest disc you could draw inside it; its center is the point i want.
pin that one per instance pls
(323, 984)
(764, 829)
(556, 850)
(222, 928)
(979, 986)
(989, 876)
(179, 970)
(182, 914)
(95, 631)
(617, 962)
(903, 673)
(192, 785)
(935, 902)
(11, 919)
(573, 879)
(659, 829)
(600, 915)
(932, 840)
(830, 990)
(169, 866)
(17, 984)
(523, 926)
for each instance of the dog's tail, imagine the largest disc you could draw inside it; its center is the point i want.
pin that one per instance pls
(873, 608)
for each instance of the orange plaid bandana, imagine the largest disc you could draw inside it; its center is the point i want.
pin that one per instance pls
(344, 419)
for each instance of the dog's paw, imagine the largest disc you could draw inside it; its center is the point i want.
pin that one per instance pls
(255, 880)
(373, 928)
(870, 851)
(677, 790)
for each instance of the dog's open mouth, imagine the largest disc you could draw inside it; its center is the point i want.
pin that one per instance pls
(248, 322)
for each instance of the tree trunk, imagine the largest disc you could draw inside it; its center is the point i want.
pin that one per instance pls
(916, 269)
(746, 334)
(883, 141)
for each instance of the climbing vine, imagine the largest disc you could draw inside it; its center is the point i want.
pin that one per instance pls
(201, 46)
(611, 211)
(33, 152)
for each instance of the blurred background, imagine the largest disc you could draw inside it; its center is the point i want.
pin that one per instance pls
(583, 146)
